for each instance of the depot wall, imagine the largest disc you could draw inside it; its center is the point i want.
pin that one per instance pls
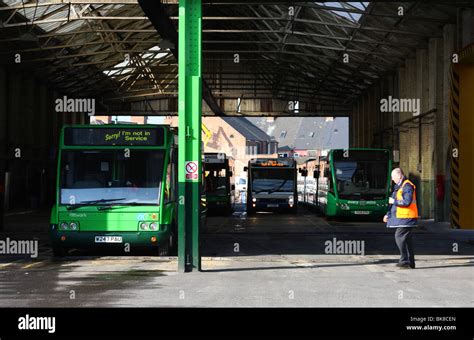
(29, 132)
(423, 143)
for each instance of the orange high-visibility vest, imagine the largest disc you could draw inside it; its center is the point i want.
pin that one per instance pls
(410, 211)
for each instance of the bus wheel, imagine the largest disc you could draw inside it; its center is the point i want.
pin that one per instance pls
(59, 251)
(173, 241)
(173, 244)
(164, 250)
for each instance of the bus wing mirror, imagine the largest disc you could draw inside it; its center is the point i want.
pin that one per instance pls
(246, 168)
(316, 174)
(232, 187)
(231, 174)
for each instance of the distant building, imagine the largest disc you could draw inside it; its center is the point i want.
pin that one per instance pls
(236, 137)
(304, 136)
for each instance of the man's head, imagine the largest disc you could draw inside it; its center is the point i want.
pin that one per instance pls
(397, 175)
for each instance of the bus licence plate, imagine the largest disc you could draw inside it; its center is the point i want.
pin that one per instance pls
(108, 239)
(361, 212)
(272, 205)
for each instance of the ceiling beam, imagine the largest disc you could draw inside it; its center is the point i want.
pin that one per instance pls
(158, 16)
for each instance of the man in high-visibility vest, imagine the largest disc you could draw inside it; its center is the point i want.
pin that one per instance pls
(403, 215)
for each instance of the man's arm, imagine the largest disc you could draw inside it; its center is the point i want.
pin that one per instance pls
(407, 196)
(389, 209)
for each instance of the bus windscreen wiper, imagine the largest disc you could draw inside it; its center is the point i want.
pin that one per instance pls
(134, 203)
(277, 189)
(103, 200)
(73, 207)
(76, 206)
(122, 204)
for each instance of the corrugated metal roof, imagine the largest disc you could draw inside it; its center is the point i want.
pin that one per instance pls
(286, 57)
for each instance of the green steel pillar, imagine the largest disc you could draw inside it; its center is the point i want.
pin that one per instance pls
(189, 134)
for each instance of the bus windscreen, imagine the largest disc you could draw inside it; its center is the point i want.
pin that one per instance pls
(215, 180)
(90, 177)
(361, 175)
(272, 180)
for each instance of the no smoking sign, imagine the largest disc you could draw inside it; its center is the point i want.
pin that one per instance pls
(191, 168)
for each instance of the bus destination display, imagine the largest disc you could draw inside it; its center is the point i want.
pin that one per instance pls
(114, 136)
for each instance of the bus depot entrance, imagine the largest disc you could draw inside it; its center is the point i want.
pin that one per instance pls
(248, 144)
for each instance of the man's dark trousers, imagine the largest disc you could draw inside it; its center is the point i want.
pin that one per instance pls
(404, 241)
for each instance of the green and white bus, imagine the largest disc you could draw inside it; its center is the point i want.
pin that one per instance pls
(219, 183)
(347, 182)
(116, 186)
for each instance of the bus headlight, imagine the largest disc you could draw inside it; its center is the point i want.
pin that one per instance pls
(73, 226)
(254, 199)
(64, 226)
(153, 226)
(345, 206)
(291, 200)
(143, 226)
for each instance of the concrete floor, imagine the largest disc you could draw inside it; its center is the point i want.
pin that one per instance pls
(281, 262)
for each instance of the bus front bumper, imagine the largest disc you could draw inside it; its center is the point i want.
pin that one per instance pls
(360, 212)
(90, 239)
(270, 205)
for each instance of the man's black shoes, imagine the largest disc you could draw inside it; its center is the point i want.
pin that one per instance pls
(406, 266)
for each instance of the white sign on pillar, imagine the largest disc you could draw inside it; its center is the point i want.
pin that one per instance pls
(191, 170)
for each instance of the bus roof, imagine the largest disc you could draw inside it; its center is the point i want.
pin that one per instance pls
(121, 126)
(361, 153)
(361, 149)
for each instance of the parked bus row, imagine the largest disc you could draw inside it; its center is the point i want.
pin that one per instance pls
(117, 185)
(343, 183)
(347, 182)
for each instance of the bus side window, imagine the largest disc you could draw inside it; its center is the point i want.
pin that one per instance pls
(167, 184)
(327, 174)
(173, 176)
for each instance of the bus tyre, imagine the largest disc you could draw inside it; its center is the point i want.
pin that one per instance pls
(59, 251)
(164, 250)
(173, 244)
